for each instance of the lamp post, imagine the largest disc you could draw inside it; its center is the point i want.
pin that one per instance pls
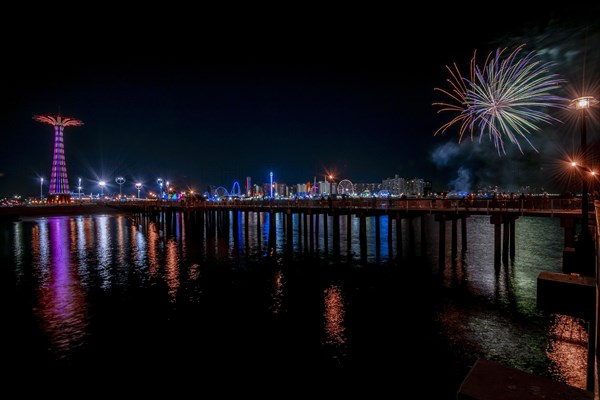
(120, 181)
(138, 186)
(585, 246)
(79, 187)
(582, 104)
(41, 189)
(160, 183)
(102, 184)
(167, 183)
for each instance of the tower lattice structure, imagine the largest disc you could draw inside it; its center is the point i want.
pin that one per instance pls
(59, 183)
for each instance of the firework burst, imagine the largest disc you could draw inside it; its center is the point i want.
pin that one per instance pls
(506, 99)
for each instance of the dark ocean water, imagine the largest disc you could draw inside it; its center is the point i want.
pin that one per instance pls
(163, 307)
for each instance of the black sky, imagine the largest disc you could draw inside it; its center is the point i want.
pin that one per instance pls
(205, 98)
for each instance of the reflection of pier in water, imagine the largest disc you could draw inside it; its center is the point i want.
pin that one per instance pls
(317, 224)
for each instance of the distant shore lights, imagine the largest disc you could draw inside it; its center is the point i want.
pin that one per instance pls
(59, 184)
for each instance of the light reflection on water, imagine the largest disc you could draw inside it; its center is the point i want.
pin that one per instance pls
(62, 308)
(568, 350)
(253, 280)
(335, 334)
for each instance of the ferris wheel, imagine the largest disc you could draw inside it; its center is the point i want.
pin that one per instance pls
(221, 192)
(345, 187)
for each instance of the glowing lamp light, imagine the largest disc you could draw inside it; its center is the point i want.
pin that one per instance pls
(584, 102)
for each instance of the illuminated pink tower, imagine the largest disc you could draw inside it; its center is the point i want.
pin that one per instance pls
(59, 184)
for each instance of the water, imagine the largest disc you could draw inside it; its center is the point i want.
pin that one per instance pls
(120, 304)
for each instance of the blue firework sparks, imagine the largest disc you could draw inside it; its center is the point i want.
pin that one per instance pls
(507, 98)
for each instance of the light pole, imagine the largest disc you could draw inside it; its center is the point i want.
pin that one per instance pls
(79, 187)
(582, 104)
(160, 183)
(41, 189)
(138, 186)
(102, 184)
(167, 183)
(120, 181)
(271, 175)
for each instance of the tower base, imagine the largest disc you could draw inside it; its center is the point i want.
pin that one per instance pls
(60, 198)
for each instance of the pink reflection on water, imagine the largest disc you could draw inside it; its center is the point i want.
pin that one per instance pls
(567, 350)
(62, 308)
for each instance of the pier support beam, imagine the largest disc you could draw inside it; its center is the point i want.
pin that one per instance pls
(349, 232)
(336, 234)
(363, 235)
(258, 232)
(389, 236)
(289, 227)
(505, 239)
(463, 233)
(246, 217)
(311, 220)
(497, 220)
(325, 232)
(398, 235)
(377, 235)
(305, 218)
(441, 219)
(454, 238)
(569, 258)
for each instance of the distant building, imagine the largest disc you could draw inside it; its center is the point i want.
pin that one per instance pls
(428, 188)
(248, 187)
(302, 188)
(370, 188)
(395, 185)
(415, 186)
(324, 188)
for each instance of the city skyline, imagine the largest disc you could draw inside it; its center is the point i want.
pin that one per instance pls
(354, 102)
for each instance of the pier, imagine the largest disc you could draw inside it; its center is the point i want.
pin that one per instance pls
(309, 217)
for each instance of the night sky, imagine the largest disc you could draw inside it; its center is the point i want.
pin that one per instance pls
(204, 98)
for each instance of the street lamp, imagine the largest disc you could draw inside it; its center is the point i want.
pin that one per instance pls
(79, 187)
(583, 104)
(41, 188)
(167, 183)
(160, 183)
(138, 186)
(120, 181)
(585, 244)
(102, 184)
